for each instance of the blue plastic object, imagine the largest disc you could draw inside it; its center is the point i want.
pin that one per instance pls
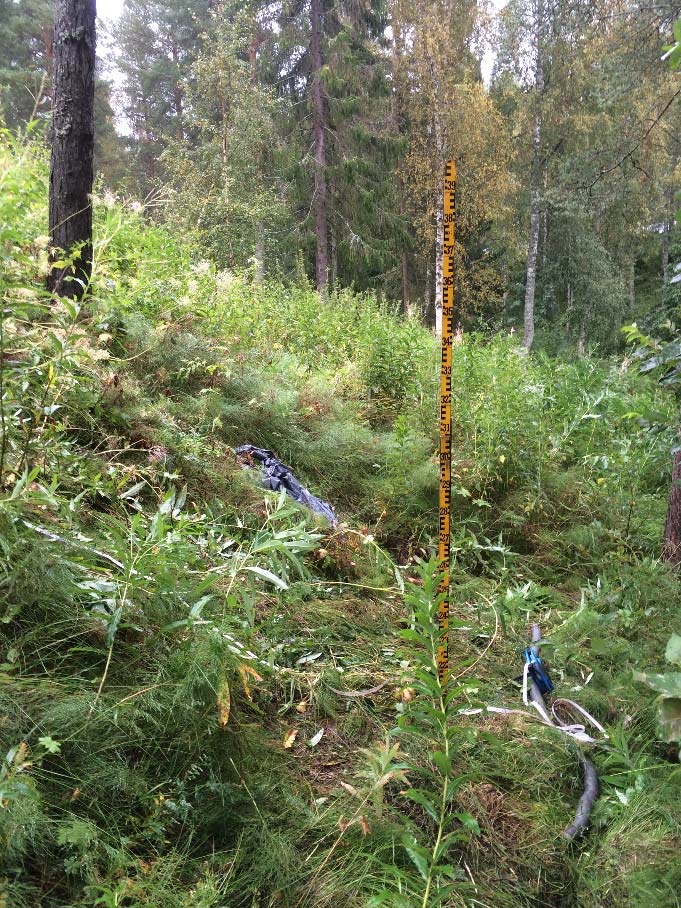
(537, 671)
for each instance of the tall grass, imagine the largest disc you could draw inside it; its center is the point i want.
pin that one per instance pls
(173, 640)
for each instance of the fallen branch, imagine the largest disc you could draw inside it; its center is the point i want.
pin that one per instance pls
(55, 537)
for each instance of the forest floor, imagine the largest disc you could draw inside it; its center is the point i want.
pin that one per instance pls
(174, 639)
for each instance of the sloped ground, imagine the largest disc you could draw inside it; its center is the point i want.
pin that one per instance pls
(173, 640)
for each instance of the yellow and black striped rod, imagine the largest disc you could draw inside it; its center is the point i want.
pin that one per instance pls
(444, 546)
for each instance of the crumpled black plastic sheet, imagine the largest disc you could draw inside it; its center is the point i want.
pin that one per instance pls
(276, 476)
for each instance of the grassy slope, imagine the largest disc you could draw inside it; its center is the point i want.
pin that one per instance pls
(145, 703)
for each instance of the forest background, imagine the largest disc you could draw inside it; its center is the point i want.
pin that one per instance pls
(305, 141)
(209, 697)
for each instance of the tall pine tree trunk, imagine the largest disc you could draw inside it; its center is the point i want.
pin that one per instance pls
(535, 184)
(319, 134)
(671, 550)
(73, 142)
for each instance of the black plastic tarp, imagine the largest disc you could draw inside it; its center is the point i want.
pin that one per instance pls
(277, 476)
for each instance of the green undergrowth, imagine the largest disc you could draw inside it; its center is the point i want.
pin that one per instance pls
(173, 640)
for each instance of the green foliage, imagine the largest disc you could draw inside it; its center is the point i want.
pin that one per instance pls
(165, 625)
(672, 52)
(25, 51)
(668, 686)
(156, 43)
(427, 718)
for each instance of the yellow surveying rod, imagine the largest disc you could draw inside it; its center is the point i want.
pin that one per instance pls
(444, 547)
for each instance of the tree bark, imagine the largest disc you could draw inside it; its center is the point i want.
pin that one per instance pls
(668, 227)
(397, 113)
(319, 134)
(439, 247)
(406, 307)
(632, 286)
(260, 253)
(671, 549)
(73, 142)
(581, 340)
(257, 40)
(223, 129)
(426, 295)
(439, 216)
(535, 184)
(178, 96)
(334, 257)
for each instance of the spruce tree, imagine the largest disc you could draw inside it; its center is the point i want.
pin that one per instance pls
(26, 72)
(26, 37)
(330, 61)
(157, 43)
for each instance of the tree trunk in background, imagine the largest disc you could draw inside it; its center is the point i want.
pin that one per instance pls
(439, 216)
(257, 40)
(334, 258)
(426, 295)
(223, 129)
(319, 132)
(178, 95)
(668, 226)
(632, 287)
(439, 246)
(531, 278)
(535, 184)
(260, 253)
(581, 340)
(549, 294)
(671, 549)
(73, 142)
(406, 308)
(397, 113)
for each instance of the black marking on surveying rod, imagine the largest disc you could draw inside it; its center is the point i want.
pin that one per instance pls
(444, 528)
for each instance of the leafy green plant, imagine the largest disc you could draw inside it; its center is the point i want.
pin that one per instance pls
(672, 52)
(426, 724)
(159, 619)
(272, 556)
(668, 686)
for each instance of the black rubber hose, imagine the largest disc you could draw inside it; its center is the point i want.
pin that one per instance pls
(590, 793)
(586, 802)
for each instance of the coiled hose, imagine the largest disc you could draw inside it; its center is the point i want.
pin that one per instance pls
(590, 791)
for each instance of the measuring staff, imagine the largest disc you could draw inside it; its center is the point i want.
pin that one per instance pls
(444, 546)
